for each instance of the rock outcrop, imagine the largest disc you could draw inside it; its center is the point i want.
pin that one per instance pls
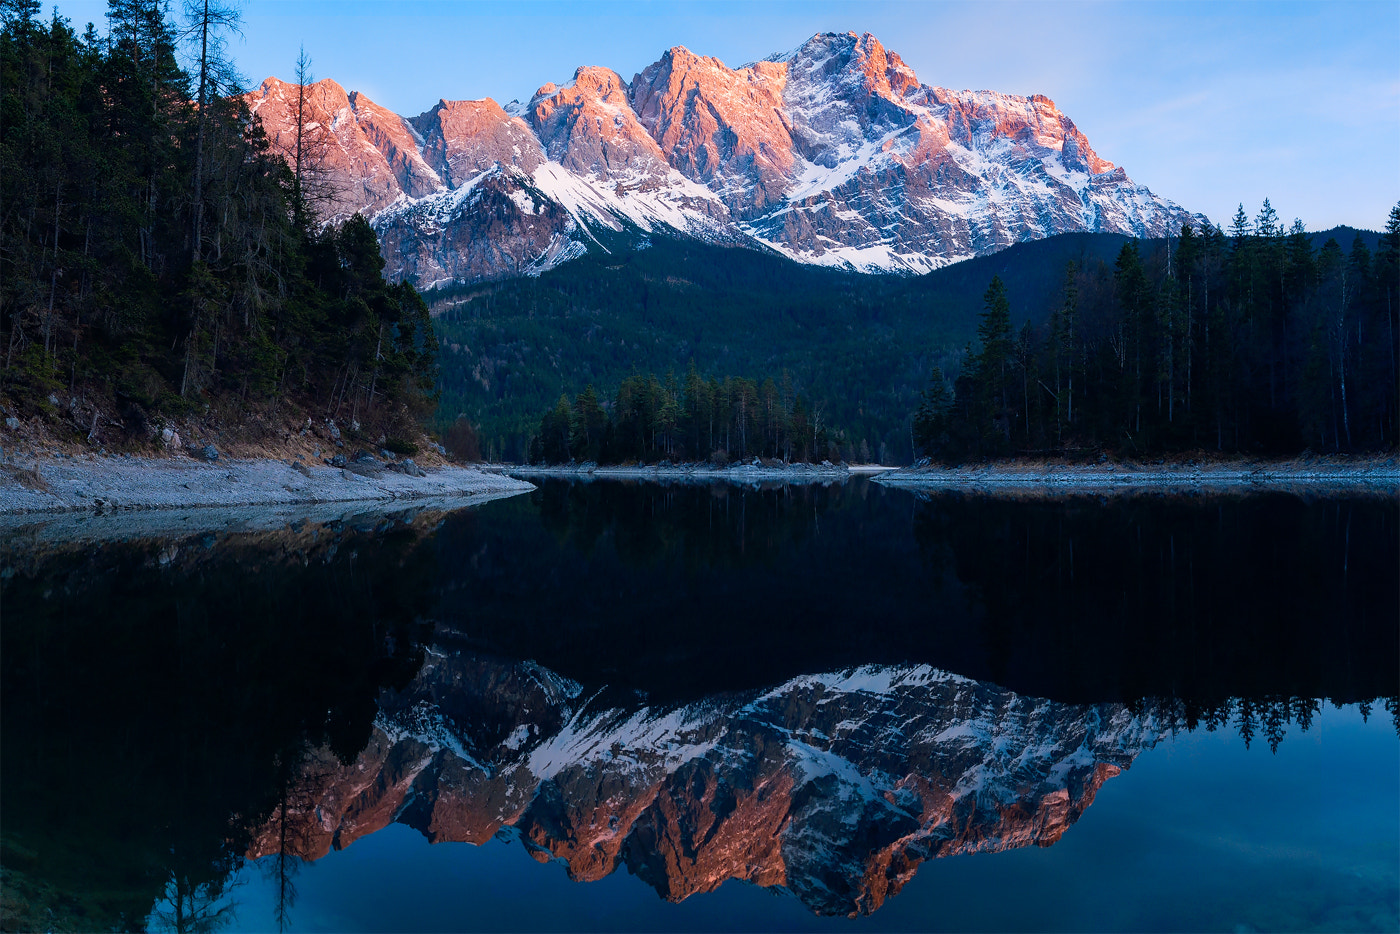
(365, 157)
(833, 153)
(723, 128)
(462, 139)
(834, 786)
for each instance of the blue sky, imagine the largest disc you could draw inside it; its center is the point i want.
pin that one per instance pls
(1208, 104)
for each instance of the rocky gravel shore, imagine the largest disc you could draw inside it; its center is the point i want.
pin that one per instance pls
(752, 472)
(97, 483)
(1371, 475)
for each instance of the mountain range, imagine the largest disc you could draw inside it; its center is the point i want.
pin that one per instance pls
(832, 154)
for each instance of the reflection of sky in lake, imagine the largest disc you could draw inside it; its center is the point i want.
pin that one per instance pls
(1200, 834)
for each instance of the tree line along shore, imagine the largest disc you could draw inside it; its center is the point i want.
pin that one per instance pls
(1216, 345)
(162, 268)
(1239, 342)
(165, 273)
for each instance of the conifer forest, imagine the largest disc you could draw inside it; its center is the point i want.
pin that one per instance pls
(1246, 340)
(157, 257)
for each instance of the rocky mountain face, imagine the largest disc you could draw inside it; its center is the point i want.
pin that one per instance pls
(835, 786)
(833, 153)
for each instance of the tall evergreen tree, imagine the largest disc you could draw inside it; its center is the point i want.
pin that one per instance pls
(150, 256)
(931, 419)
(993, 362)
(1251, 344)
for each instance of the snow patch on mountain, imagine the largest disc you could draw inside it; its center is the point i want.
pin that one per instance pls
(432, 213)
(850, 160)
(561, 249)
(881, 258)
(626, 198)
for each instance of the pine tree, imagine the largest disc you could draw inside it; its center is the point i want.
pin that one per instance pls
(993, 362)
(1188, 257)
(1240, 229)
(1062, 326)
(19, 16)
(208, 20)
(588, 426)
(1388, 277)
(1136, 300)
(931, 419)
(108, 274)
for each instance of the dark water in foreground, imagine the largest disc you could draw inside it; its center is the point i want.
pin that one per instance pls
(617, 706)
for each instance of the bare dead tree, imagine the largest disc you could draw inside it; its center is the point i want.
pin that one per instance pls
(315, 190)
(208, 21)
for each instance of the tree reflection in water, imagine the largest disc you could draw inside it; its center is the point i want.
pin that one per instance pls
(157, 694)
(172, 706)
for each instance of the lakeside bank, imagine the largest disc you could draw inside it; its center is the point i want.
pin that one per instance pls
(1373, 475)
(749, 475)
(97, 483)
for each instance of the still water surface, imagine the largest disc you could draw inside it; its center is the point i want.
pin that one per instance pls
(1201, 834)
(632, 706)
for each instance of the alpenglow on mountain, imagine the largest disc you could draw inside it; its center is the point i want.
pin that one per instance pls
(833, 154)
(833, 786)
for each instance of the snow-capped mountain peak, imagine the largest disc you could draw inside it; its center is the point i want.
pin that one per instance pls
(834, 153)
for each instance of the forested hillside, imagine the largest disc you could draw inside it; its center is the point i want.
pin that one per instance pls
(693, 419)
(159, 262)
(859, 348)
(1244, 341)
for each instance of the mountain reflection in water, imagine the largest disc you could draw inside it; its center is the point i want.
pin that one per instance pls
(803, 687)
(835, 786)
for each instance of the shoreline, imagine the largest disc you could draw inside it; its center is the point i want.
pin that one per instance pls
(47, 486)
(1371, 474)
(33, 532)
(743, 473)
(39, 486)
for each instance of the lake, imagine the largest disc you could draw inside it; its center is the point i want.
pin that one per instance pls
(646, 706)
